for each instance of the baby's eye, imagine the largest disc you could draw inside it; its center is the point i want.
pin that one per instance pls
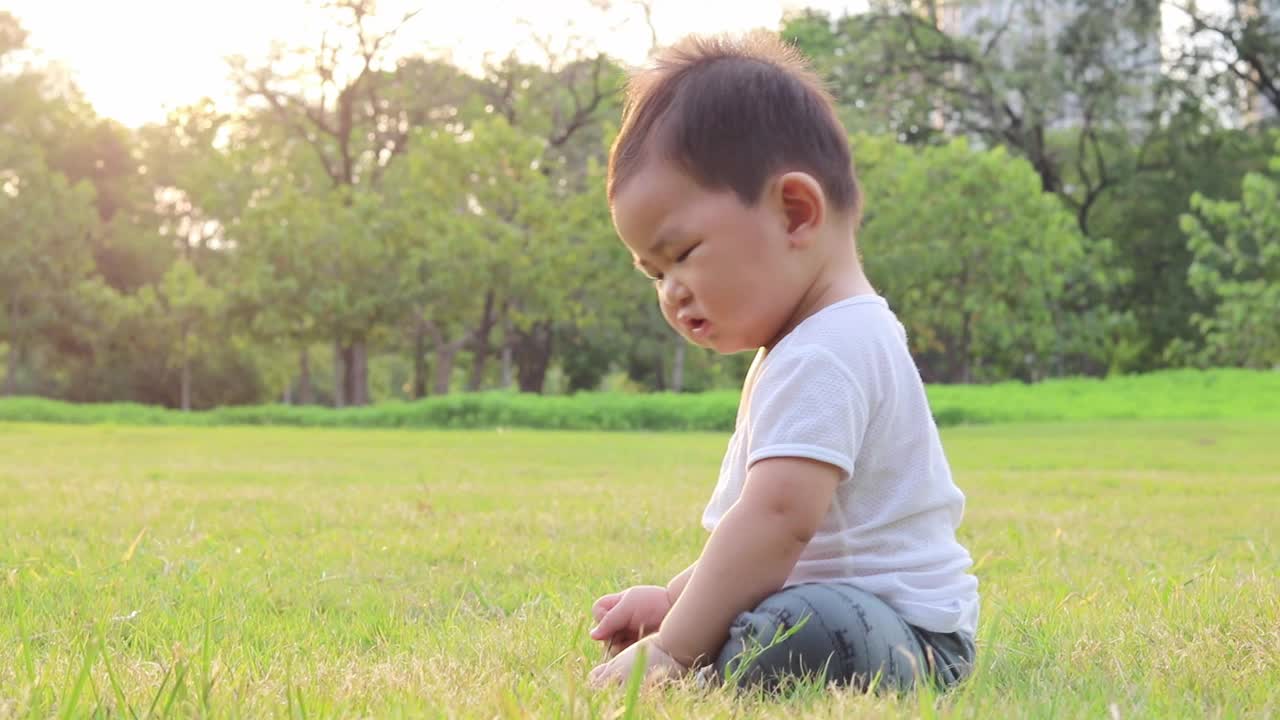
(685, 255)
(651, 277)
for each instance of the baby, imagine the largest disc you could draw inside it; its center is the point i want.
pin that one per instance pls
(833, 523)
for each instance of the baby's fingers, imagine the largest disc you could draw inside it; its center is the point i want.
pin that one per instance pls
(604, 605)
(614, 621)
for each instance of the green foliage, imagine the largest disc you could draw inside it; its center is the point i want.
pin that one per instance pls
(1080, 92)
(45, 255)
(920, 72)
(979, 263)
(404, 227)
(1141, 217)
(1236, 250)
(1182, 394)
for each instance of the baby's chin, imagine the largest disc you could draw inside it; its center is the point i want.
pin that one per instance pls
(720, 342)
(705, 343)
(723, 347)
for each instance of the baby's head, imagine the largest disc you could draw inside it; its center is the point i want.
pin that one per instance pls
(732, 184)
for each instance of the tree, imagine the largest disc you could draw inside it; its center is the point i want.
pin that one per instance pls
(1060, 84)
(1077, 90)
(356, 108)
(1236, 250)
(495, 243)
(273, 290)
(184, 310)
(45, 250)
(1142, 217)
(43, 108)
(560, 104)
(1232, 52)
(980, 263)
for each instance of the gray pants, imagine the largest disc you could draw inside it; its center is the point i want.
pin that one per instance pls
(847, 635)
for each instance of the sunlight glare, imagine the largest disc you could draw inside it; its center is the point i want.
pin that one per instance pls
(136, 60)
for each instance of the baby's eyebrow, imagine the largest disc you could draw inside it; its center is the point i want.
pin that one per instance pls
(665, 238)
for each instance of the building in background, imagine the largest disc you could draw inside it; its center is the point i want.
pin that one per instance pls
(1254, 107)
(1028, 33)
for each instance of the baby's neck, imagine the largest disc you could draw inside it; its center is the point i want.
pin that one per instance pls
(838, 275)
(837, 279)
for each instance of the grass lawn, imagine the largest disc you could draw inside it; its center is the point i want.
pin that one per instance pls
(1128, 569)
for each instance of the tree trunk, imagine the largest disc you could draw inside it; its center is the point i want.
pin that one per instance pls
(533, 356)
(480, 344)
(479, 360)
(931, 12)
(446, 353)
(186, 371)
(11, 375)
(339, 375)
(358, 373)
(350, 374)
(966, 325)
(306, 394)
(419, 360)
(677, 365)
(1046, 167)
(186, 385)
(508, 365)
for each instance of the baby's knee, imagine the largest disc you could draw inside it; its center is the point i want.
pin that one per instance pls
(777, 639)
(832, 631)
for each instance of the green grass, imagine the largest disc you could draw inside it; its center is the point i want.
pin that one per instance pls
(1180, 394)
(282, 572)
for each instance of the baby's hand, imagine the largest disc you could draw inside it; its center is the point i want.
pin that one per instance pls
(659, 666)
(624, 617)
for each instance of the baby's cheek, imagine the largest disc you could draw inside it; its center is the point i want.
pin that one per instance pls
(668, 314)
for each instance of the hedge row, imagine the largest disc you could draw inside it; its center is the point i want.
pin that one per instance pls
(1174, 394)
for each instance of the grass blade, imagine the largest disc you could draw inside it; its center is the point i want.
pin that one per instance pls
(24, 649)
(634, 682)
(159, 691)
(91, 651)
(113, 678)
(133, 547)
(206, 657)
(179, 686)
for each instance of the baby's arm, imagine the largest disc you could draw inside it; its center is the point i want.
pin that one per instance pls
(678, 583)
(750, 553)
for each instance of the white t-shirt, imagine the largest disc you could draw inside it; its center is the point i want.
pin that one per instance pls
(842, 388)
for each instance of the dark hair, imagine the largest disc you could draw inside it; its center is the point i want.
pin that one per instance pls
(731, 112)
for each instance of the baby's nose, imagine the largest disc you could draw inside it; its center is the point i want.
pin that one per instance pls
(674, 292)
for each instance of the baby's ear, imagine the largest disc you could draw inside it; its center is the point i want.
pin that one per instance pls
(803, 204)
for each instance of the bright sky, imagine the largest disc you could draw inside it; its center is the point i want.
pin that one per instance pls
(136, 59)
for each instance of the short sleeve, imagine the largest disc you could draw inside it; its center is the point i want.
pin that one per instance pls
(807, 404)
